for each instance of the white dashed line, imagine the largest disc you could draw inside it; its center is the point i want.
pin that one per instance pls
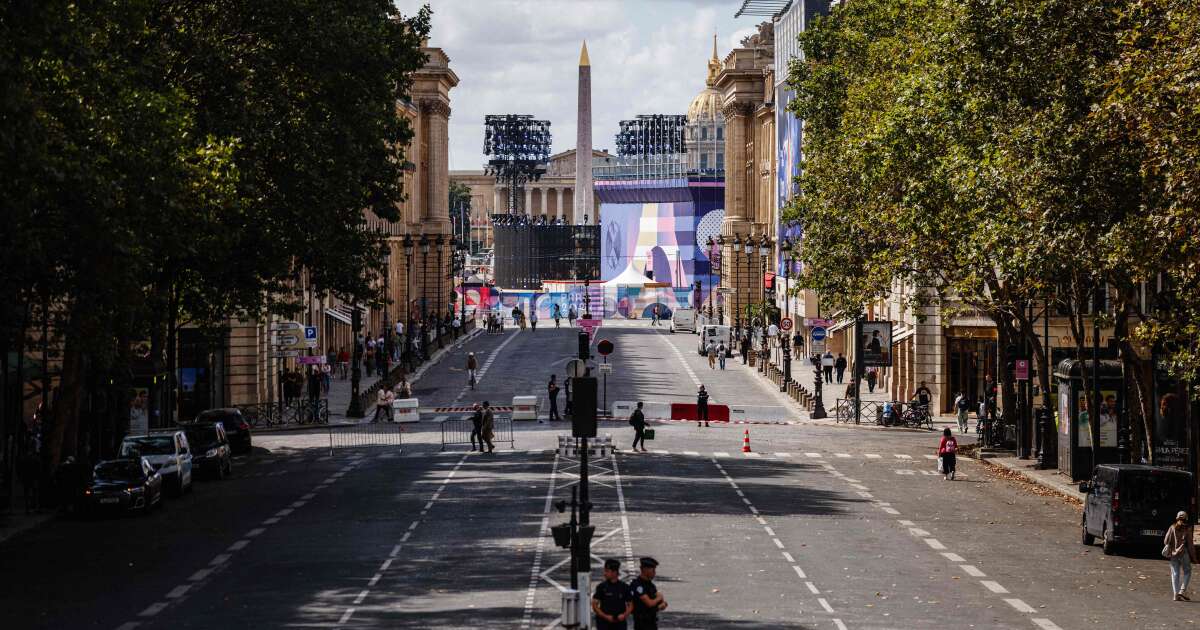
(787, 556)
(812, 587)
(178, 591)
(902, 456)
(153, 609)
(255, 532)
(1020, 606)
(824, 604)
(783, 454)
(1046, 624)
(918, 532)
(720, 454)
(972, 570)
(839, 624)
(799, 572)
(814, 455)
(953, 557)
(692, 453)
(873, 456)
(199, 575)
(219, 560)
(994, 587)
(935, 544)
(842, 455)
(239, 545)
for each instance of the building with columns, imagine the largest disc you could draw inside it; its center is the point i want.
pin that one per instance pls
(417, 284)
(745, 81)
(552, 196)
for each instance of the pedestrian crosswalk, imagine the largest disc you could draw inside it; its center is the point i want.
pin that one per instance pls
(409, 454)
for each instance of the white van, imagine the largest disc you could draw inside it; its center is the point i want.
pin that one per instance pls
(717, 334)
(683, 319)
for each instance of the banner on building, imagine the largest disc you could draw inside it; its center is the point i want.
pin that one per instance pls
(876, 344)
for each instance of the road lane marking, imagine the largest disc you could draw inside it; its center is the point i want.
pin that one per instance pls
(220, 559)
(255, 532)
(778, 543)
(787, 556)
(918, 532)
(539, 549)
(241, 544)
(892, 511)
(783, 454)
(935, 543)
(1046, 624)
(1020, 605)
(931, 457)
(825, 604)
(799, 572)
(902, 456)
(993, 586)
(906, 523)
(692, 453)
(842, 455)
(153, 609)
(865, 495)
(720, 454)
(812, 587)
(953, 557)
(873, 456)
(178, 591)
(814, 455)
(839, 624)
(972, 570)
(200, 575)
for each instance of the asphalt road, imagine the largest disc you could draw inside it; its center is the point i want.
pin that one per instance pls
(819, 527)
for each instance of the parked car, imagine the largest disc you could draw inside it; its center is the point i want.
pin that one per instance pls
(123, 485)
(212, 456)
(683, 319)
(167, 452)
(237, 430)
(1134, 503)
(717, 334)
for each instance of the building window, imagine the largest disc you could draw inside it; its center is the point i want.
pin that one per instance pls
(704, 161)
(720, 161)
(720, 133)
(704, 133)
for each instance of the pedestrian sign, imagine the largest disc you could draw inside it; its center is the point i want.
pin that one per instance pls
(604, 347)
(785, 324)
(818, 333)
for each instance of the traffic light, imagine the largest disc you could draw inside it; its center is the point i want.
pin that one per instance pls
(585, 345)
(583, 407)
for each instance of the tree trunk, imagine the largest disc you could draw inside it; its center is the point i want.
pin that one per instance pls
(61, 439)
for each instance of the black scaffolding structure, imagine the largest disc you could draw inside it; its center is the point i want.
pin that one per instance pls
(518, 147)
(528, 254)
(652, 134)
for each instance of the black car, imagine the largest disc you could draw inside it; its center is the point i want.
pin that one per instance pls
(211, 453)
(236, 427)
(1133, 503)
(123, 485)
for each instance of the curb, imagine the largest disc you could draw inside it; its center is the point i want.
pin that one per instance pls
(1065, 493)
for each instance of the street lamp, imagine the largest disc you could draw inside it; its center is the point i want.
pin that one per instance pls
(356, 409)
(407, 244)
(438, 304)
(387, 296)
(764, 248)
(462, 298)
(721, 249)
(748, 244)
(424, 279)
(737, 298)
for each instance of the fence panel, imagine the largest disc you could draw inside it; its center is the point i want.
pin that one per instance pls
(457, 431)
(297, 412)
(365, 435)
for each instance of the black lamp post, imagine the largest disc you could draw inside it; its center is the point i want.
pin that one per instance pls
(462, 297)
(737, 297)
(748, 244)
(387, 296)
(356, 409)
(424, 279)
(438, 304)
(764, 249)
(407, 243)
(720, 256)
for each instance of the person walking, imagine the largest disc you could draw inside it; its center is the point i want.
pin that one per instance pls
(343, 362)
(1178, 547)
(612, 602)
(840, 366)
(648, 601)
(827, 366)
(637, 420)
(472, 367)
(476, 426)
(947, 450)
(702, 406)
(745, 348)
(532, 318)
(571, 317)
(489, 427)
(314, 394)
(721, 352)
(326, 377)
(961, 404)
(552, 394)
(557, 315)
(654, 315)
(871, 377)
(381, 404)
(711, 352)
(924, 396)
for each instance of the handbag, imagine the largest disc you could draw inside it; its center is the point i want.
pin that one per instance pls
(648, 434)
(1166, 552)
(941, 467)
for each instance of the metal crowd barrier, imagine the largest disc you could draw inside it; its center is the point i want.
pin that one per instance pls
(365, 435)
(457, 431)
(300, 411)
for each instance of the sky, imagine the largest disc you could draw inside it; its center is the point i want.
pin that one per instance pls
(522, 57)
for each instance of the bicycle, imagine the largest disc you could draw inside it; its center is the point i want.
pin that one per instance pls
(917, 416)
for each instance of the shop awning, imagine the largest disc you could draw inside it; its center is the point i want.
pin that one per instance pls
(840, 326)
(338, 315)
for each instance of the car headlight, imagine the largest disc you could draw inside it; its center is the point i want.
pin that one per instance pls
(212, 452)
(134, 489)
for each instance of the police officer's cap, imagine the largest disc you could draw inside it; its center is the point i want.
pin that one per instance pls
(649, 563)
(612, 564)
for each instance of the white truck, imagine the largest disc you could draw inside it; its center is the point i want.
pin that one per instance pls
(683, 319)
(717, 334)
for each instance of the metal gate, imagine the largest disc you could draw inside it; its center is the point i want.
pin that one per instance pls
(365, 435)
(457, 431)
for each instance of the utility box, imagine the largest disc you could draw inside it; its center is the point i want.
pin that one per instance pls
(525, 408)
(1074, 416)
(407, 410)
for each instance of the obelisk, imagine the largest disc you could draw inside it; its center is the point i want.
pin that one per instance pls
(583, 144)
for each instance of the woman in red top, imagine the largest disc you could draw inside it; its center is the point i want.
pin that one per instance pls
(946, 450)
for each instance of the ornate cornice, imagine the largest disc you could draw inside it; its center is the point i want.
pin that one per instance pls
(735, 109)
(435, 106)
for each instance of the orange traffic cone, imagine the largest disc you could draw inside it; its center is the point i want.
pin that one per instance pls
(746, 442)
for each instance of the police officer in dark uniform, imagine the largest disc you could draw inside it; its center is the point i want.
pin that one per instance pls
(612, 602)
(647, 601)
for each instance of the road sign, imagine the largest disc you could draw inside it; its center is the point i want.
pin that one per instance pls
(818, 334)
(292, 327)
(576, 368)
(1022, 369)
(287, 340)
(817, 347)
(606, 368)
(785, 324)
(816, 321)
(604, 347)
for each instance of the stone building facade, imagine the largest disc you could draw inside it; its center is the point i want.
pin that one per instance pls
(745, 82)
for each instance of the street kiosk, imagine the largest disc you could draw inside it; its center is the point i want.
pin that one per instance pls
(1074, 419)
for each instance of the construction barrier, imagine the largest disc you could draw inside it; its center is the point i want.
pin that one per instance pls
(365, 435)
(457, 431)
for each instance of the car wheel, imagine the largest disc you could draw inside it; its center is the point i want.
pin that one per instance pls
(1109, 545)
(1087, 538)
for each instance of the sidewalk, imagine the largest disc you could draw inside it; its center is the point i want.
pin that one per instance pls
(1047, 479)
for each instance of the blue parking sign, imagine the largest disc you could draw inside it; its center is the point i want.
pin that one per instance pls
(310, 333)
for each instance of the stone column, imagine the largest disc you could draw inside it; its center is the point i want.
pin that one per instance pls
(558, 195)
(545, 196)
(501, 200)
(737, 119)
(528, 200)
(437, 213)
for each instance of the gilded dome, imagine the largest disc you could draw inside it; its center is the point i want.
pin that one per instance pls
(706, 107)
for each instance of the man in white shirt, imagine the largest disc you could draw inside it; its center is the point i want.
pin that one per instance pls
(827, 366)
